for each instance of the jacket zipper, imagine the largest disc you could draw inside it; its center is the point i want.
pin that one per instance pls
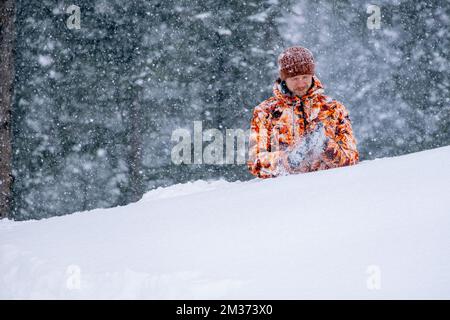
(303, 116)
(293, 122)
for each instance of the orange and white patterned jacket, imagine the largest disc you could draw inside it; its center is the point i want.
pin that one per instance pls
(281, 122)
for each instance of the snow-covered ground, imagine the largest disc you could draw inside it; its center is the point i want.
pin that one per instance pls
(380, 229)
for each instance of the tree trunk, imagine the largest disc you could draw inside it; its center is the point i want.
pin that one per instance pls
(7, 34)
(136, 174)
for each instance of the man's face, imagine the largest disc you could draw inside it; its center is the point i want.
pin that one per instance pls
(300, 84)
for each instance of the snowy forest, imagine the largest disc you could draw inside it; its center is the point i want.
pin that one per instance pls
(92, 92)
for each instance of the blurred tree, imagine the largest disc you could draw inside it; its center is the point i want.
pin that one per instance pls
(95, 107)
(7, 52)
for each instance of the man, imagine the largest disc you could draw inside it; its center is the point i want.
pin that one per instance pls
(299, 129)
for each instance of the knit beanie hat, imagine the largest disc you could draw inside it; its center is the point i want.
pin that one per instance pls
(295, 61)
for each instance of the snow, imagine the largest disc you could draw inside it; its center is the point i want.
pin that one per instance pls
(45, 60)
(259, 17)
(380, 229)
(224, 32)
(203, 15)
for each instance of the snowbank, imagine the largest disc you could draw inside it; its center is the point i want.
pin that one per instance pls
(380, 229)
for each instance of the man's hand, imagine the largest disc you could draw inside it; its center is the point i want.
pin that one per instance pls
(308, 149)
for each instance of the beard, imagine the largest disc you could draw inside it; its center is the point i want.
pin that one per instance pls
(300, 92)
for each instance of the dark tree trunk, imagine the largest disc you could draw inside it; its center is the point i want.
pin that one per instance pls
(7, 34)
(136, 178)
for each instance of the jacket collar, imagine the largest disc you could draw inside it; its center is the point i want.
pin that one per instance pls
(309, 100)
(316, 88)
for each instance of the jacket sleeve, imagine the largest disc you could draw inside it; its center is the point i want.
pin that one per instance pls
(341, 147)
(262, 161)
